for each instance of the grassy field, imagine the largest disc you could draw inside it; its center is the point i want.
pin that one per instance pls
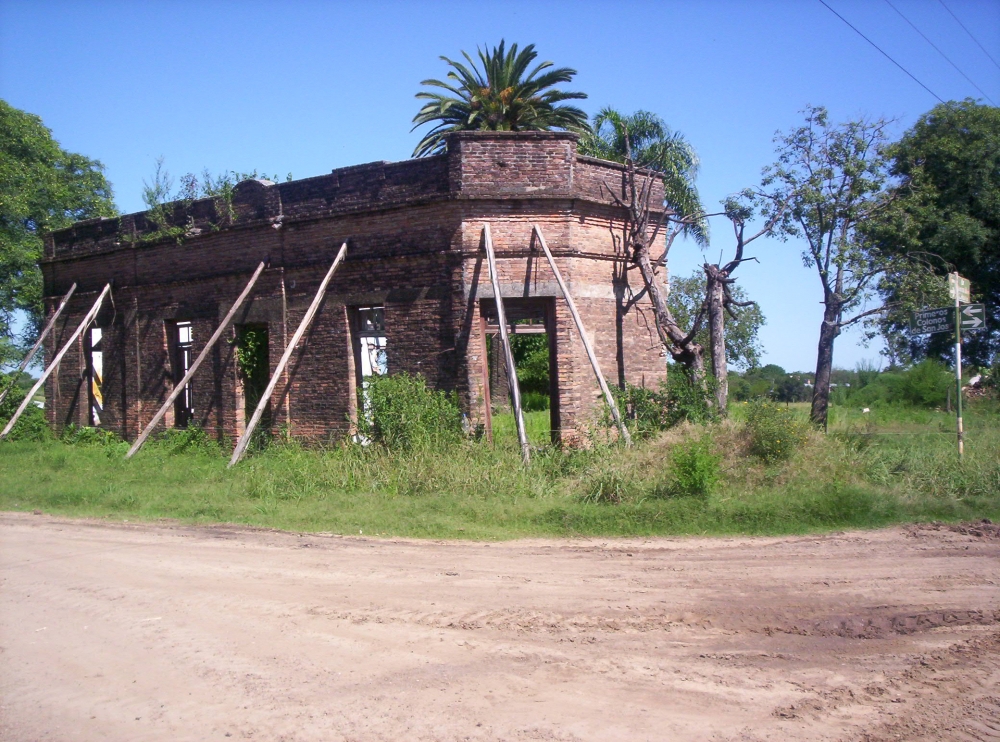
(891, 465)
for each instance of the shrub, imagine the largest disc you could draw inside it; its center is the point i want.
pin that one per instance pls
(76, 435)
(401, 413)
(191, 438)
(677, 400)
(773, 433)
(31, 426)
(644, 409)
(925, 385)
(531, 357)
(688, 401)
(611, 485)
(693, 471)
(534, 401)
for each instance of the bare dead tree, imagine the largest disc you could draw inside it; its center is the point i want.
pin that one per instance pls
(719, 300)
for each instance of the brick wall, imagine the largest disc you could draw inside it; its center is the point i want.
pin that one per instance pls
(414, 230)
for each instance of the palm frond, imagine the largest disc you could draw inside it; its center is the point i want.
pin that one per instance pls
(497, 97)
(654, 146)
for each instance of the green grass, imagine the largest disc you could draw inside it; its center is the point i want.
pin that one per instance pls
(537, 425)
(868, 471)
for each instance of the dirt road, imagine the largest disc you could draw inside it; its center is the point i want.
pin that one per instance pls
(140, 632)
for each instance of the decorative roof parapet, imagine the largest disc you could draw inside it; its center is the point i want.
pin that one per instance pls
(477, 165)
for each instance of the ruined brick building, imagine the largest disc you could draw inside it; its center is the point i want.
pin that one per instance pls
(413, 293)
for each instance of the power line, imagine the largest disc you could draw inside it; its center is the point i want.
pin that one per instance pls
(939, 51)
(882, 52)
(969, 32)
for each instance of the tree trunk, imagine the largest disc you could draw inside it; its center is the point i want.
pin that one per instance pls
(686, 352)
(828, 332)
(715, 294)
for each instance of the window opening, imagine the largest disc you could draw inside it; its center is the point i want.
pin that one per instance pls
(371, 336)
(95, 374)
(369, 350)
(183, 344)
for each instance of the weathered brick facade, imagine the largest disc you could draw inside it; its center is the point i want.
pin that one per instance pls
(414, 231)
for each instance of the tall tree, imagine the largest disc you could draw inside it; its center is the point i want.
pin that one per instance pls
(646, 223)
(653, 146)
(502, 96)
(742, 342)
(833, 180)
(641, 231)
(947, 204)
(721, 295)
(42, 187)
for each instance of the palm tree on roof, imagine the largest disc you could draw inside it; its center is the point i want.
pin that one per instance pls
(653, 146)
(499, 97)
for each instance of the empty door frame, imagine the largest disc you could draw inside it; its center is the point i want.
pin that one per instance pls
(586, 341)
(545, 306)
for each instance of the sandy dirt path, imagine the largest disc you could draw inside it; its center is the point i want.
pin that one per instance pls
(167, 632)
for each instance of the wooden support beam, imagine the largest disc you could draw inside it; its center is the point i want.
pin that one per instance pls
(88, 318)
(244, 441)
(515, 392)
(38, 343)
(586, 341)
(179, 387)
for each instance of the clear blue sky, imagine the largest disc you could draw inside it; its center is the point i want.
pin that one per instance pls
(304, 87)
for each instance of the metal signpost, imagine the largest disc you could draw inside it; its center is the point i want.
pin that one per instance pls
(962, 317)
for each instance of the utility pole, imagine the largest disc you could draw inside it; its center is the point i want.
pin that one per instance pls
(960, 289)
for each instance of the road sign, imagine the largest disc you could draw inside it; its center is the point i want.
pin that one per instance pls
(961, 286)
(973, 317)
(929, 321)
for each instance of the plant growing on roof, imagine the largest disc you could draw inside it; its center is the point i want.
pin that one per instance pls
(502, 96)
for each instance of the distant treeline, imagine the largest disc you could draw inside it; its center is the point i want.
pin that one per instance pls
(926, 384)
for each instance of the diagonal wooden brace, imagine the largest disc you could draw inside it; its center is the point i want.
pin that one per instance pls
(586, 341)
(55, 361)
(244, 441)
(515, 392)
(38, 343)
(179, 387)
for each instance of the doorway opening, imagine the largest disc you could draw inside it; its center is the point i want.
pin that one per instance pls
(370, 359)
(182, 342)
(531, 328)
(95, 376)
(253, 369)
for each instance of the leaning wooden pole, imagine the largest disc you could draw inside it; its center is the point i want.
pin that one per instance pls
(38, 343)
(244, 441)
(586, 341)
(88, 318)
(515, 392)
(179, 387)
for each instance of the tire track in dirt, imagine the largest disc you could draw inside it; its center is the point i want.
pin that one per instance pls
(177, 632)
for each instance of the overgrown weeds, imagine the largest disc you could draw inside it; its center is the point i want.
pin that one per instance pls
(772, 431)
(401, 413)
(689, 479)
